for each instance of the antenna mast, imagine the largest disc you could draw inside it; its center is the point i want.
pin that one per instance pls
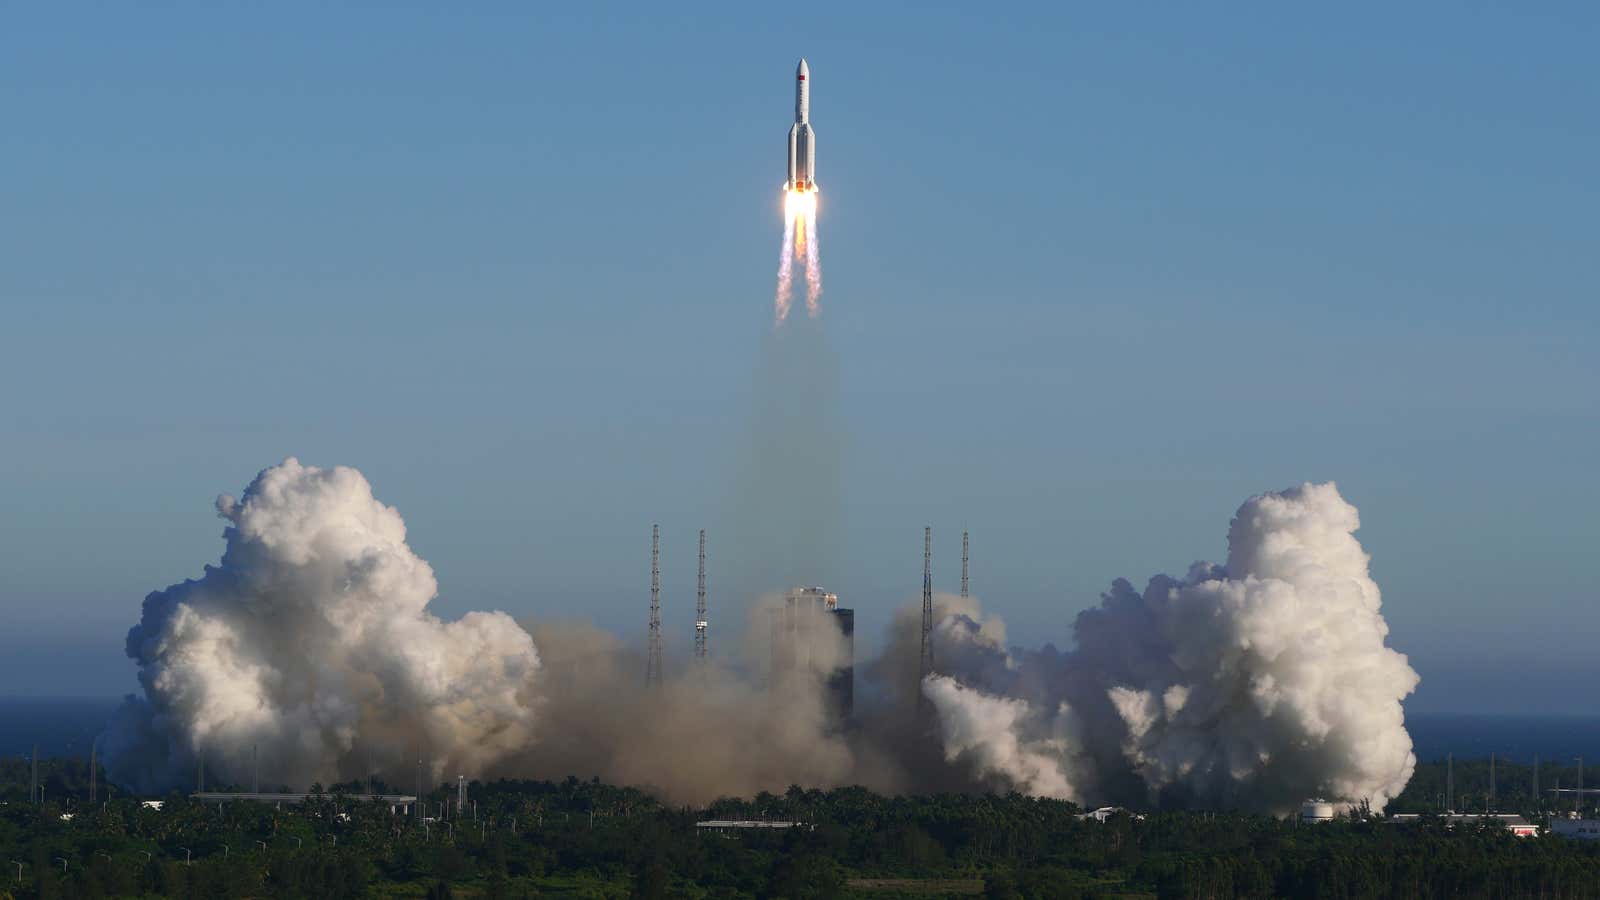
(964, 580)
(927, 608)
(652, 675)
(1491, 784)
(1449, 783)
(700, 623)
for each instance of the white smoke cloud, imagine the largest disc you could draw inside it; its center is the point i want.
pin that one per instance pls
(311, 644)
(1256, 684)
(1253, 685)
(1003, 740)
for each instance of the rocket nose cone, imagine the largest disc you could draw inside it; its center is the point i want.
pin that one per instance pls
(802, 69)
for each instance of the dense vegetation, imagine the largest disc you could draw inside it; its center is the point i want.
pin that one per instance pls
(588, 839)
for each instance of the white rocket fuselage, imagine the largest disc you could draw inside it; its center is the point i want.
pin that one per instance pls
(802, 140)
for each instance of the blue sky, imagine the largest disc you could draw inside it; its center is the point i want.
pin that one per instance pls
(1094, 276)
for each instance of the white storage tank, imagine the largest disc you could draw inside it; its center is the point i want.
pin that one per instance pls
(1316, 811)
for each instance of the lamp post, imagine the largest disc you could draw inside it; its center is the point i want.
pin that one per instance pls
(19, 870)
(63, 864)
(263, 846)
(188, 858)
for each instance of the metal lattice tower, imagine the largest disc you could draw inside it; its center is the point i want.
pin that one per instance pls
(652, 675)
(965, 583)
(1578, 798)
(1491, 784)
(927, 607)
(700, 623)
(1449, 782)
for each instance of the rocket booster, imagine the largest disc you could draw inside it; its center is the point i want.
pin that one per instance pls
(802, 140)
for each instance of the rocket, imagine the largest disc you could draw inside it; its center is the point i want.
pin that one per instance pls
(802, 140)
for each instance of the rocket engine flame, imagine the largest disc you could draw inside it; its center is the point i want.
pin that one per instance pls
(799, 240)
(785, 272)
(813, 262)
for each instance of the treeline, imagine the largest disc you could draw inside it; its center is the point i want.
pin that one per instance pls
(576, 838)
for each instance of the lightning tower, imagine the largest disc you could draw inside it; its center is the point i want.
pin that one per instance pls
(700, 623)
(652, 675)
(964, 581)
(927, 611)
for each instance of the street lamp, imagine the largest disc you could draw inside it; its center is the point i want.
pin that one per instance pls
(19, 870)
(263, 846)
(188, 858)
(297, 841)
(63, 864)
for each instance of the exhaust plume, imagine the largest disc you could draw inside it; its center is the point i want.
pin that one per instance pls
(799, 241)
(1254, 685)
(813, 265)
(785, 293)
(311, 639)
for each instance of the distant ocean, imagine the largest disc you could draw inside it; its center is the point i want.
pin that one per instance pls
(65, 726)
(1517, 738)
(61, 726)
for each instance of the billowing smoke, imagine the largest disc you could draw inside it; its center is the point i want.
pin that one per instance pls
(723, 730)
(310, 646)
(1256, 684)
(1253, 685)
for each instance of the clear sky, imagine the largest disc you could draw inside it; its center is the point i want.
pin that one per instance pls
(1094, 276)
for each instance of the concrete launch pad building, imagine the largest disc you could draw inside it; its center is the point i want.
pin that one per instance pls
(812, 633)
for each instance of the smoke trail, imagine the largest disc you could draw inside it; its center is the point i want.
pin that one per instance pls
(785, 272)
(813, 267)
